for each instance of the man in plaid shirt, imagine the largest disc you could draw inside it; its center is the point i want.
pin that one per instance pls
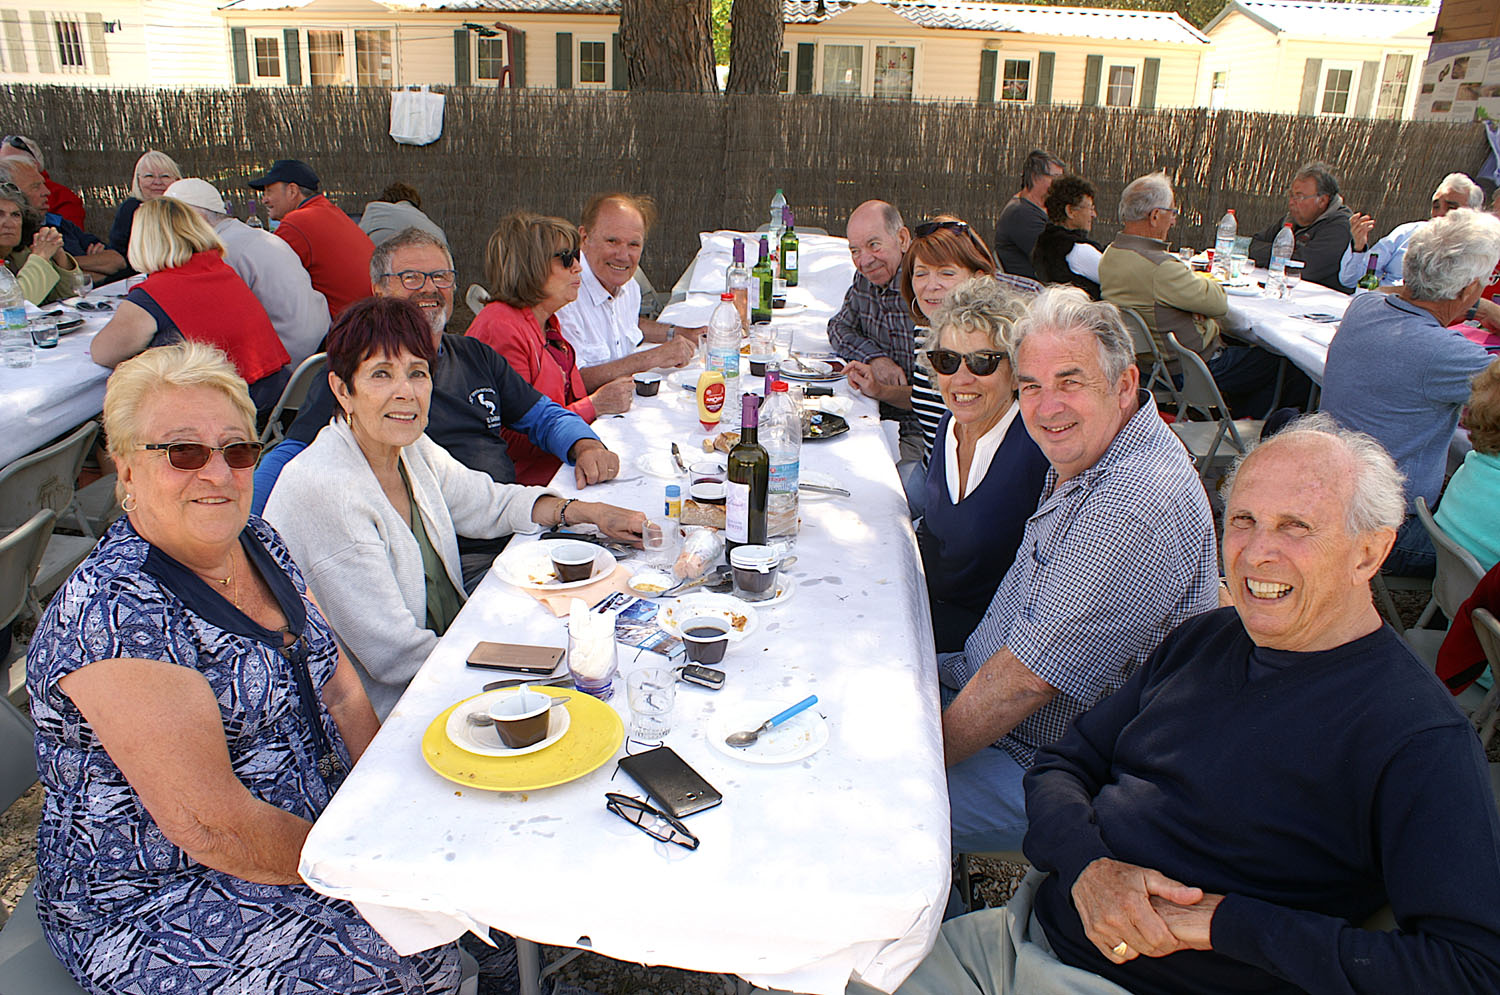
(1119, 551)
(874, 326)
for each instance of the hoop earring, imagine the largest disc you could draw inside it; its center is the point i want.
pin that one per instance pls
(129, 504)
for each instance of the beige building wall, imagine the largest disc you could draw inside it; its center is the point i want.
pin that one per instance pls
(112, 42)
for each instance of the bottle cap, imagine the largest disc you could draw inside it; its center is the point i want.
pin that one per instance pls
(726, 296)
(739, 250)
(750, 411)
(674, 491)
(779, 385)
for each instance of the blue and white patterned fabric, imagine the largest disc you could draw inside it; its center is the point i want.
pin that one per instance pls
(1112, 561)
(123, 908)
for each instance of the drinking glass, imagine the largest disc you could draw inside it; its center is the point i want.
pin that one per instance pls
(1293, 276)
(652, 692)
(783, 331)
(659, 540)
(16, 347)
(83, 282)
(592, 662)
(44, 331)
(1187, 254)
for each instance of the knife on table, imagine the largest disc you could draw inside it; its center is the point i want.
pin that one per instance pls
(566, 680)
(803, 485)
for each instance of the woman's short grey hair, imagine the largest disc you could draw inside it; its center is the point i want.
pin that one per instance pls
(1066, 309)
(12, 193)
(1447, 254)
(152, 159)
(1466, 188)
(1143, 195)
(1377, 501)
(980, 304)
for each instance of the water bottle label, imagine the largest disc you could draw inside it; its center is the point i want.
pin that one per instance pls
(784, 478)
(737, 512)
(14, 317)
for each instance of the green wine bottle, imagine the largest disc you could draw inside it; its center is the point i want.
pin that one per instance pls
(749, 482)
(789, 252)
(762, 277)
(1370, 281)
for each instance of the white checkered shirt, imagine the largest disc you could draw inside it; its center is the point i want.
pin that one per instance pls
(1112, 561)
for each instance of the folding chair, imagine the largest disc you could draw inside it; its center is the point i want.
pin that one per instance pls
(1204, 439)
(292, 396)
(27, 966)
(476, 297)
(651, 301)
(20, 556)
(1488, 630)
(46, 479)
(1159, 380)
(1458, 573)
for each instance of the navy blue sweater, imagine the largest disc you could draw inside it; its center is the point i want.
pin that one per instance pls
(967, 547)
(1325, 787)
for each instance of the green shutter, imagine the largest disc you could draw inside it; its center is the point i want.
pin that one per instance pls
(291, 55)
(617, 80)
(1367, 76)
(1312, 73)
(515, 45)
(987, 76)
(1044, 63)
(461, 75)
(806, 52)
(1093, 68)
(1149, 73)
(565, 60)
(241, 52)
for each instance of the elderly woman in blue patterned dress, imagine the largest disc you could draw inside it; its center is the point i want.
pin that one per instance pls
(194, 715)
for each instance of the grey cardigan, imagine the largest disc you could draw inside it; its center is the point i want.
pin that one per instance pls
(360, 557)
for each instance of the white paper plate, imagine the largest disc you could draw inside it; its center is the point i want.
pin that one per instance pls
(659, 464)
(797, 738)
(529, 565)
(485, 741)
(684, 380)
(792, 307)
(831, 405)
(741, 617)
(1250, 291)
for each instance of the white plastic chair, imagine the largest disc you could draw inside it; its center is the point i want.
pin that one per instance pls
(1458, 573)
(1487, 628)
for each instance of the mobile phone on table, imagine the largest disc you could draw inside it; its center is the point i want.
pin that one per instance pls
(702, 676)
(670, 782)
(515, 657)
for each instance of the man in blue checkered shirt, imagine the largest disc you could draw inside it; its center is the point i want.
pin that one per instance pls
(1119, 551)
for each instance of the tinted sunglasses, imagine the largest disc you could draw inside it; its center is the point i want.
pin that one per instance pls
(195, 455)
(981, 363)
(928, 227)
(567, 257)
(650, 820)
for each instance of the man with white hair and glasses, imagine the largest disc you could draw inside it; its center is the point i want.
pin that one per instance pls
(1398, 371)
(1456, 190)
(1278, 772)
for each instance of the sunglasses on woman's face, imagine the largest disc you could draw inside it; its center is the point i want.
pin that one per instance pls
(981, 363)
(928, 227)
(567, 257)
(195, 455)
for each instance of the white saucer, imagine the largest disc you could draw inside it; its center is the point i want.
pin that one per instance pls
(786, 586)
(797, 738)
(485, 741)
(707, 605)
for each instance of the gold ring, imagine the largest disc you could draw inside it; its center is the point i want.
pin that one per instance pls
(1120, 949)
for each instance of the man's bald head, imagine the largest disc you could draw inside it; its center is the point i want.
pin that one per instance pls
(877, 240)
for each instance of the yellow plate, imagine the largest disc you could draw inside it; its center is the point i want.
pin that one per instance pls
(596, 733)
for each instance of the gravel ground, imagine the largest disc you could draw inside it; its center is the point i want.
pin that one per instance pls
(993, 881)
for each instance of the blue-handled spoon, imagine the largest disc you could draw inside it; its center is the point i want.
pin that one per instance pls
(741, 740)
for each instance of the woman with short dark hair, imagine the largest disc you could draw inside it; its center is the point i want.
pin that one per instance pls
(1064, 252)
(373, 508)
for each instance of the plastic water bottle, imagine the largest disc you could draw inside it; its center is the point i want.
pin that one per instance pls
(724, 355)
(1229, 227)
(778, 221)
(781, 435)
(1281, 251)
(253, 220)
(15, 335)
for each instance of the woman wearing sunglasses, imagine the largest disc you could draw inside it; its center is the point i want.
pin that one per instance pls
(532, 269)
(373, 508)
(986, 472)
(191, 293)
(193, 718)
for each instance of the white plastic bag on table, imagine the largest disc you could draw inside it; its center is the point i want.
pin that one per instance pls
(416, 116)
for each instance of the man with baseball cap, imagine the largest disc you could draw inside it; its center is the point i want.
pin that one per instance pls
(335, 253)
(268, 265)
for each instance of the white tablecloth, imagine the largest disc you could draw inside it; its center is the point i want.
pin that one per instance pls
(64, 387)
(808, 872)
(1277, 324)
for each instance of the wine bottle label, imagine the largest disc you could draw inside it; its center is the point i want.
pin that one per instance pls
(737, 512)
(791, 259)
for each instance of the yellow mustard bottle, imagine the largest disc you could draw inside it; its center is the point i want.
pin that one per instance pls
(710, 398)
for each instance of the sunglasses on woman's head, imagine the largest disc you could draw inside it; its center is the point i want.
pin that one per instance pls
(928, 227)
(981, 363)
(195, 455)
(567, 257)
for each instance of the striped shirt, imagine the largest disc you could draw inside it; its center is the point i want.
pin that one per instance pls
(1112, 561)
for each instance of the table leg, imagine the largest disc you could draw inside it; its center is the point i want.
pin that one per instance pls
(529, 966)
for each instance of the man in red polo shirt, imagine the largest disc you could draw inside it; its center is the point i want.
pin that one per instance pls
(335, 253)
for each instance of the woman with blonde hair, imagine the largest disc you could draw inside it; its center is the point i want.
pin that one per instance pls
(154, 172)
(532, 269)
(194, 716)
(191, 293)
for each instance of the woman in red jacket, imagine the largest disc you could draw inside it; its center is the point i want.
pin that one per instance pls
(191, 293)
(532, 269)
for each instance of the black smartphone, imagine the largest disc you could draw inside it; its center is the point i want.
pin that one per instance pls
(515, 657)
(670, 782)
(706, 677)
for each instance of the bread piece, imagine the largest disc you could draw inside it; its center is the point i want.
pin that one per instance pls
(709, 515)
(726, 441)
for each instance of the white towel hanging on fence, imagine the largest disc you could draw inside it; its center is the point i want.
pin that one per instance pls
(416, 116)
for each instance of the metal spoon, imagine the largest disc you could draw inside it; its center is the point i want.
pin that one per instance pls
(714, 576)
(740, 740)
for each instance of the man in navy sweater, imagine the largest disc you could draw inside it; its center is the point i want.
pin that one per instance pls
(1272, 777)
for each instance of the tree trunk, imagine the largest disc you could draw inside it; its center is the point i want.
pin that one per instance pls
(668, 45)
(755, 46)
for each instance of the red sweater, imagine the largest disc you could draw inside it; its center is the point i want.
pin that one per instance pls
(1461, 659)
(61, 200)
(547, 362)
(335, 253)
(208, 302)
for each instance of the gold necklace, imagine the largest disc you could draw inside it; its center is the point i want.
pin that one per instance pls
(224, 582)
